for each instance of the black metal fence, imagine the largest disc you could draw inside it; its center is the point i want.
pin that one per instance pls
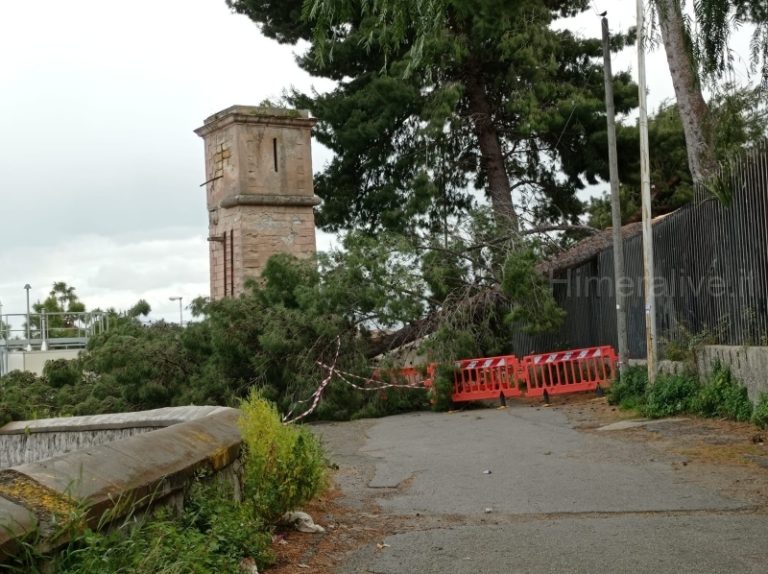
(711, 266)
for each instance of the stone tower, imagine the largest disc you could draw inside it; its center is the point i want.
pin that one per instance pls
(258, 165)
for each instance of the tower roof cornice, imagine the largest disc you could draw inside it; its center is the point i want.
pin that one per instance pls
(256, 115)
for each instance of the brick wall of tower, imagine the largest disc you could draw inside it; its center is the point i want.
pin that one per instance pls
(259, 192)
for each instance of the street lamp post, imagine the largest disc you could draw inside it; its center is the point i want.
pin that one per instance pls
(181, 310)
(27, 287)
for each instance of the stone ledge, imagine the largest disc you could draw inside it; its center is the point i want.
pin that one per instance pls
(15, 522)
(270, 200)
(153, 418)
(120, 477)
(255, 115)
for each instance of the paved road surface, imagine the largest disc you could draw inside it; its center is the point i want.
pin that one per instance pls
(557, 499)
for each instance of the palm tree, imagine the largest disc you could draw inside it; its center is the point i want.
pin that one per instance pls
(64, 305)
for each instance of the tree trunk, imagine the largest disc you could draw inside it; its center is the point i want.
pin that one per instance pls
(491, 154)
(694, 112)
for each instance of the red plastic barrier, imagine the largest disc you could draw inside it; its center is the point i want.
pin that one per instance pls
(569, 371)
(415, 377)
(486, 378)
(409, 376)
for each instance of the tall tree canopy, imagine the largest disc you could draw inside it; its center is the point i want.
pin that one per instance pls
(435, 97)
(61, 307)
(694, 58)
(742, 115)
(717, 20)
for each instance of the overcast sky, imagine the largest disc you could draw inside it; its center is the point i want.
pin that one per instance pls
(99, 167)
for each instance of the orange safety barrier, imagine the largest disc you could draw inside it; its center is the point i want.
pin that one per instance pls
(410, 375)
(489, 377)
(569, 371)
(415, 377)
(486, 378)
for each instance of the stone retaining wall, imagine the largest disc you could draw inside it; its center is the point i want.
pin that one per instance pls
(119, 477)
(30, 441)
(748, 364)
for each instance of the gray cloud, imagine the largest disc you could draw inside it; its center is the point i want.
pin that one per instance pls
(99, 167)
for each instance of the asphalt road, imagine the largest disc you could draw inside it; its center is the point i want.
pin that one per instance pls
(555, 499)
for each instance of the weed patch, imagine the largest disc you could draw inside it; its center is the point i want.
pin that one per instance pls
(760, 414)
(213, 534)
(722, 396)
(670, 395)
(628, 392)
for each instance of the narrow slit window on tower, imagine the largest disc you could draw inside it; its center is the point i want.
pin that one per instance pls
(274, 151)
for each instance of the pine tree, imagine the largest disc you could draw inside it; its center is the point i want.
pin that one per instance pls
(437, 96)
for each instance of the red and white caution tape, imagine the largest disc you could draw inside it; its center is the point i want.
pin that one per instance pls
(344, 376)
(373, 384)
(315, 398)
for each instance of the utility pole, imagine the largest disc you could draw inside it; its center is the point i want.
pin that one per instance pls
(618, 243)
(645, 193)
(181, 311)
(27, 287)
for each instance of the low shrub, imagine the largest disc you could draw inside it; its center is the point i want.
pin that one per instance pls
(760, 413)
(284, 464)
(628, 392)
(722, 396)
(670, 395)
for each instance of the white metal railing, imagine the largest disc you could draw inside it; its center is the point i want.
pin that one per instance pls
(60, 330)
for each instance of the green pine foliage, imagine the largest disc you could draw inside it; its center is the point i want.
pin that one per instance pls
(68, 392)
(443, 388)
(468, 291)
(422, 83)
(533, 305)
